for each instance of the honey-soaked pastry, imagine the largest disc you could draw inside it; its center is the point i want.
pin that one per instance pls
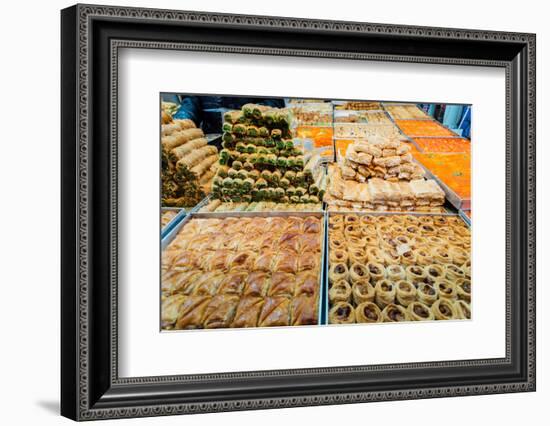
(186, 260)
(275, 312)
(391, 257)
(358, 272)
(394, 313)
(265, 261)
(376, 255)
(218, 260)
(455, 220)
(335, 225)
(383, 220)
(357, 255)
(306, 283)
(282, 284)
(409, 257)
(191, 312)
(441, 255)
(415, 274)
(405, 292)
(371, 240)
(363, 291)
(286, 262)
(412, 231)
(307, 261)
(368, 312)
(304, 311)
(453, 272)
(426, 293)
(311, 224)
(351, 219)
(440, 220)
(336, 256)
(233, 283)
(435, 241)
(376, 271)
(220, 311)
(395, 272)
(359, 242)
(427, 229)
(410, 220)
(367, 220)
(463, 231)
(337, 272)
(337, 243)
(334, 219)
(242, 261)
(341, 313)
(462, 309)
(418, 311)
(425, 220)
(256, 284)
(339, 292)
(247, 312)
(423, 256)
(445, 231)
(290, 241)
(418, 242)
(446, 289)
(208, 284)
(435, 272)
(185, 282)
(443, 309)
(352, 230)
(169, 310)
(309, 242)
(463, 289)
(459, 255)
(385, 293)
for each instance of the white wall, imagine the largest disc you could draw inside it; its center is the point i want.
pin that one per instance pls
(29, 225)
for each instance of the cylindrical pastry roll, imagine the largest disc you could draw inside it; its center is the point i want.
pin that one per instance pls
(441, 255)
(463, 289)
(358, 272)
(385, 293)
(368, 312)
(395, 313)
(376, 271)
(395, 273)
(337, 256)
(454, 273)
(341, 313)
(435, 273)
(418, 311)
(462, 309)
(423, 255)
(443, 309)
(405, 292)
(337, 272)
(363, 291)
(426, 293)
(415, 274)
(459, 255)
(446, 289)
(339, 292)
(357, 255)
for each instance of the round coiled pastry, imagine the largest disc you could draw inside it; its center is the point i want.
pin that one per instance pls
(402, 239)
(383, 220)
(341, 313)
(338, 218)
(445, 231)
(339, 255)
(467, 271)
(369, 231)
(428, 229)
(391, 257)
(446, 289)
(374, 254)
(395, 272)
(395, 313)
(411, 220)
(352, 219)
(340, 292)
(453, 272)
(415, 274)
(435, 241)
(426, 220)
(423, 255)
(418, 242)
(409, 257)
(336, 242)
(459, 255)
(362, 291)
(463, 231)
(454, 240)
(426, 293)
(412, 230)
(435, 272)
(352, 230)
(464, 289)
(440, 220)
(336, 226)
(385, 293)
(443, 309)
(441, 255)
(418, 311)
(376, 271)
(454, 220)
(397, 229)
(405, 292)
(368, 312)
(367, 220)
(358, 272)
(462, 310)
(355, 241)
(372, 240)
(357, 254)
(337, 272)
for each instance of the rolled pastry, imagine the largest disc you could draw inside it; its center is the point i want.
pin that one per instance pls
(459, 255)
(341, 313)
(220, 311)
(443, 309)
(395, 272)
(368, 312)
(463, 289)
(247, 312)
(376, 271)
(336, 242)
(170, 310)
(423, 255)
(275, 312)
(358, 272)
(339, 255)
(435, 272)
(352, 231)
(351, 219)
(441, 255)
(374, 254)
(367, 220)
(363, 291)
(405, 292)
(446, 289)
(426, 293)
(340, 292)
(191, 312)
(337, 272)
(395, 313)
(415, 274)
(357, 254)
(453, 272)
(462, 309)
(418, 311)
(391, 257)
(385, 293)
(409, 257)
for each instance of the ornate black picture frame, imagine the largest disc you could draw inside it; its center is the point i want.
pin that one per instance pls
(91, 37)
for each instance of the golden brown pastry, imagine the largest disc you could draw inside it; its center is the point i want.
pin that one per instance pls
(415, 274)
(304, 310)
(341, 313)
(443, 309)
(208, 284)
(376, 271)
(358, 255)
(336, 256)
(286, 262)
(290, 241)
(265, 261)
(340, 292)
(308, 261)
(336, 242)
(423, 255)
(358, 272)
(306, 283)
(170, 310)
(453, 272)
(385, 293)
(446, 289)
(418, 311)
(282, 284)
(220, 311)
(337, 272)
(233, 283)
(309, 242)
(459, 255)
(363, 291)
(394, 313)
(275, 312)
(247, 312)
(441, 255)
(256, 284)
(435, 272)
(462, 309)
(191, 312)
(395, 272)
(368, 312)
(376, 255)
(463, 289)
(311, 224)
(184, 282)
(405, 292)
(242, 261)
(426, 293)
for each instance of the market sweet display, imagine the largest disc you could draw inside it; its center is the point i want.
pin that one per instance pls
(453, 169)
(359, 106)
(189, 164)
(259, 161)
(214, 275)
(393, 268)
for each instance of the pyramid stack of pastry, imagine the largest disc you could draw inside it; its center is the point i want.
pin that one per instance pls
(259, 161)
(188, 164)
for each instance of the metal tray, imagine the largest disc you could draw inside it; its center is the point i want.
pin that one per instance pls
(181, 212)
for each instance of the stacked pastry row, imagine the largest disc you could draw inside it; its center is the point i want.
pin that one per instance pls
(392, 268)
(421, 195)
(367, 130)
(188, 164)
(242, 272)
(261, 206)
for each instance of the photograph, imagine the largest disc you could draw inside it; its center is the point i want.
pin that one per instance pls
(279, 212)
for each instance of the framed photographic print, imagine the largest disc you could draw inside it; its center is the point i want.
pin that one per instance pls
(263, 212)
